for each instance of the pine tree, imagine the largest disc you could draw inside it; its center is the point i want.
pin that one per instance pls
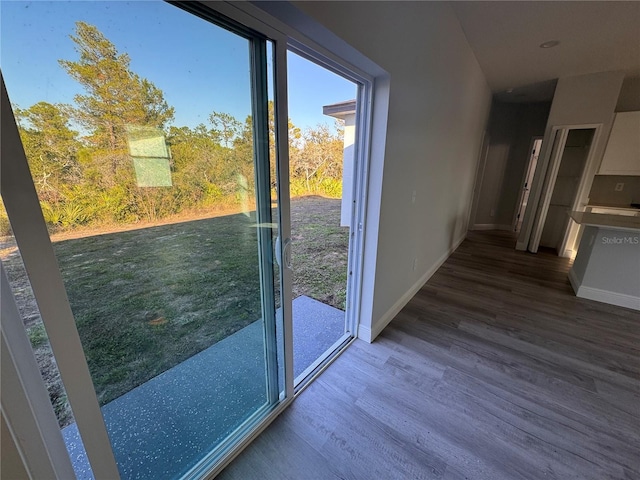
(115, 96)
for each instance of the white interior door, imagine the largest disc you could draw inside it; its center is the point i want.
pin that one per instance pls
(536, 145)
(564, 186)
(559, 139)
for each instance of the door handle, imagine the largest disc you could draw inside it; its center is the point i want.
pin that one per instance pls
(283, 250)
(278, 251)
(286, 253)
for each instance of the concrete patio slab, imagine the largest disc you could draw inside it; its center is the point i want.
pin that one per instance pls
(161, 428)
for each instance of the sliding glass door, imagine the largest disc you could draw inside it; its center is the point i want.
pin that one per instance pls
(146, 182)
(321, 179)
(147, 220)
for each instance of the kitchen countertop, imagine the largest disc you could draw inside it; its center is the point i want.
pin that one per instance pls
(627, 208)
(606, 220)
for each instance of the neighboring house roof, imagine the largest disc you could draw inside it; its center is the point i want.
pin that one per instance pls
(340, 110)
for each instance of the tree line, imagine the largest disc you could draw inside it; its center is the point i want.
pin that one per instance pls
(81, 165)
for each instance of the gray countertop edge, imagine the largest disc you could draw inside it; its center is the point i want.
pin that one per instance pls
(616, 207)
(604, 220)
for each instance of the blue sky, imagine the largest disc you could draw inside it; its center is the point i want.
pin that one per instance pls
(199, 67)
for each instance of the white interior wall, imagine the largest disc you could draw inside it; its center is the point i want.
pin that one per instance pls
(512, 126)
(629, 99)
(502, 129)
(531, 122)
(438, 109)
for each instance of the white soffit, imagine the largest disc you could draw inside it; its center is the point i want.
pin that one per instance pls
(594, 37)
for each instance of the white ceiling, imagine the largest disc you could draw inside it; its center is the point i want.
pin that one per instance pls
(594, 36)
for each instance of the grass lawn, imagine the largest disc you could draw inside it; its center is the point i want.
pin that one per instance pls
(319, 250)
(145, 300)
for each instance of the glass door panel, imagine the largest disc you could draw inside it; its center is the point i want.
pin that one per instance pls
(322, 170)
(148, 144)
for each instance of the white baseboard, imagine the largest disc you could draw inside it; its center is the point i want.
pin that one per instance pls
(573, 280)
(604, 296)
(369, 334)
(364, 333)
(491, 226)
(612, 298)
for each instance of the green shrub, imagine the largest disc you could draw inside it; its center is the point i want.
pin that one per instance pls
(73, 215)
(52, 214)
(331, 187)
(328, 187)
(5, 226)
(212, 194)
(37, 335)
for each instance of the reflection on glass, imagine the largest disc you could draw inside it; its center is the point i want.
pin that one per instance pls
(150, 155)
(148, 187)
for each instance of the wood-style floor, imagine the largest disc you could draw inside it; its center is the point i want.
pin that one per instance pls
(494, 370)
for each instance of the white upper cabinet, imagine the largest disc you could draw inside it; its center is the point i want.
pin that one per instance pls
(622, 155)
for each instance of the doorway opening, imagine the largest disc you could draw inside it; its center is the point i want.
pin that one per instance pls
(572, 164)
(322, 143)
(563, 189)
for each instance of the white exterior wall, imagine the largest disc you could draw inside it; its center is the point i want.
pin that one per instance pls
(347, 170)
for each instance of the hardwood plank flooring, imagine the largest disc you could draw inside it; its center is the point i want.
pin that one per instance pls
(494, 370)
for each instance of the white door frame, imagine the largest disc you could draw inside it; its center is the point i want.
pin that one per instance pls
(480, 168)
(544, 174)
(25, 403)
(559, 133)
(304, 30)
(360, 167)
(30, 231)
(525, 175)
(567, 248)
